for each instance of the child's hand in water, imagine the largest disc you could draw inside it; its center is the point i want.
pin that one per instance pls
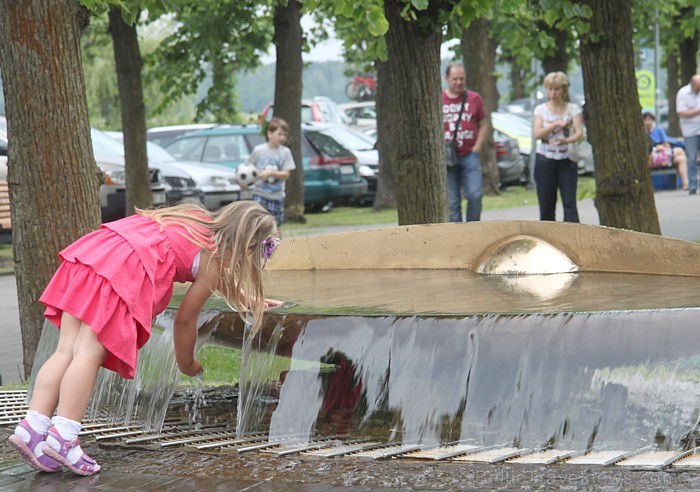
(272, 303)
(194, 369)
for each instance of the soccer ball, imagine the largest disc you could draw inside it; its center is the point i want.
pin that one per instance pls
(246, 175)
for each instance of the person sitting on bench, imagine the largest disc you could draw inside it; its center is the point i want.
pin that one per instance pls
(663, 154)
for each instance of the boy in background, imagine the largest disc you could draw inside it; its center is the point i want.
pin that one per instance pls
(274, 162)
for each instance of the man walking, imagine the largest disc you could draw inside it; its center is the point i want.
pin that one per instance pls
(469, 138)
(688, 108)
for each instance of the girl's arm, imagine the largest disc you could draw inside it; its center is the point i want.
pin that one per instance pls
(185, 326)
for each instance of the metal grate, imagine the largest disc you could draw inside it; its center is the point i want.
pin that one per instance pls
(222, 438)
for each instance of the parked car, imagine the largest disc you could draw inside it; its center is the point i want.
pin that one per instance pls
(330, 170)
(361, 114)
(511, 165)
(362, 146)
(218, 183)
(178, 184)
(319, 109)
(516, 127)
(112, 193)
(162, 135)
(519, 128)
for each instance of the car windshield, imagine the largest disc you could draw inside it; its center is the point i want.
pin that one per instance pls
(307, 114)
(103, 144)
(350, 139)
(158, 153)
(513, 124)
(327, 145)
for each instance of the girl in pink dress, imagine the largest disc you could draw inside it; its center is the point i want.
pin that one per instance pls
(110, 285)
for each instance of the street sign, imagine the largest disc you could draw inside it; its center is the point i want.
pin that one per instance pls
(646, 87)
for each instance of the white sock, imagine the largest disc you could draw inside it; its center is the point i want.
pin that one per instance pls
(69, 429)
(40, 423)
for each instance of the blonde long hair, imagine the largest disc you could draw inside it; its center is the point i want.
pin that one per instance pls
(234, 235)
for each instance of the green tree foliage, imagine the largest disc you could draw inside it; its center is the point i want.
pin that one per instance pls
(213, 38)
(101, 78)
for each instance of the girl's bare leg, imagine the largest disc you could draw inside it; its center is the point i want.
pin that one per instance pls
(48, 379)
(79, 378)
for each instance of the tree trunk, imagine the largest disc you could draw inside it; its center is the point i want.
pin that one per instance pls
(624, 195)
(479, 52)
(52, 174)
(386, 140)
(414, 75)
(688, 49)
(128, 62)
(288, 43)
(558, 59)
(516, 80)
(672, 86)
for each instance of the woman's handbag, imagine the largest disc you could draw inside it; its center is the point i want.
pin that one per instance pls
(451, 158)
(580, 150)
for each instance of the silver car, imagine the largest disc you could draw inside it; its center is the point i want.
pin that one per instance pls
(218, 183)
(112, 192)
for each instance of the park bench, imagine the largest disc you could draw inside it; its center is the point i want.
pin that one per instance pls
(666, 178)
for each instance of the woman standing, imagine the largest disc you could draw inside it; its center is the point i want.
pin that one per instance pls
(556, 124)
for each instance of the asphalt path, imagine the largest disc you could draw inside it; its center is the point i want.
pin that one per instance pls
(679, 216)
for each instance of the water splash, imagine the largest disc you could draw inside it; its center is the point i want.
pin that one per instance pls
(257, 361)
(196, 401)
(144, 399)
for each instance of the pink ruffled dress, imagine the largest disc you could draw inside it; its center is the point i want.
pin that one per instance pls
(117, 279)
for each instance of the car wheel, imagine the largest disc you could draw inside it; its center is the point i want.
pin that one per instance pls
(319, 207)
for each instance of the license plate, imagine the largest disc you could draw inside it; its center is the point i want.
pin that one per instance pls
(347, 170)
(158, 197)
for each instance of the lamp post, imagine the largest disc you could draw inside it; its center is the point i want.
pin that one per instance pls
(533, 146)
(657, 93)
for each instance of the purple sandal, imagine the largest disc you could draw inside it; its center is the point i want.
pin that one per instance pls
(59, 449)
(26, 449)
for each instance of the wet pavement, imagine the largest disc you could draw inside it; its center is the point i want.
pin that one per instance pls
(142, 469)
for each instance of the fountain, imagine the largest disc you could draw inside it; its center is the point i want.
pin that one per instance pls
(534, 335)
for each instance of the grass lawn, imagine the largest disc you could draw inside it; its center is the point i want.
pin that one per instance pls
(6, 265)
(514, 196)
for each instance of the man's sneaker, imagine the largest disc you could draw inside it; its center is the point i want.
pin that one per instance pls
(69, 454)
(29, 450)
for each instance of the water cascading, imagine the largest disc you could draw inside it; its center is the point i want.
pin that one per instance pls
(526, 333)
